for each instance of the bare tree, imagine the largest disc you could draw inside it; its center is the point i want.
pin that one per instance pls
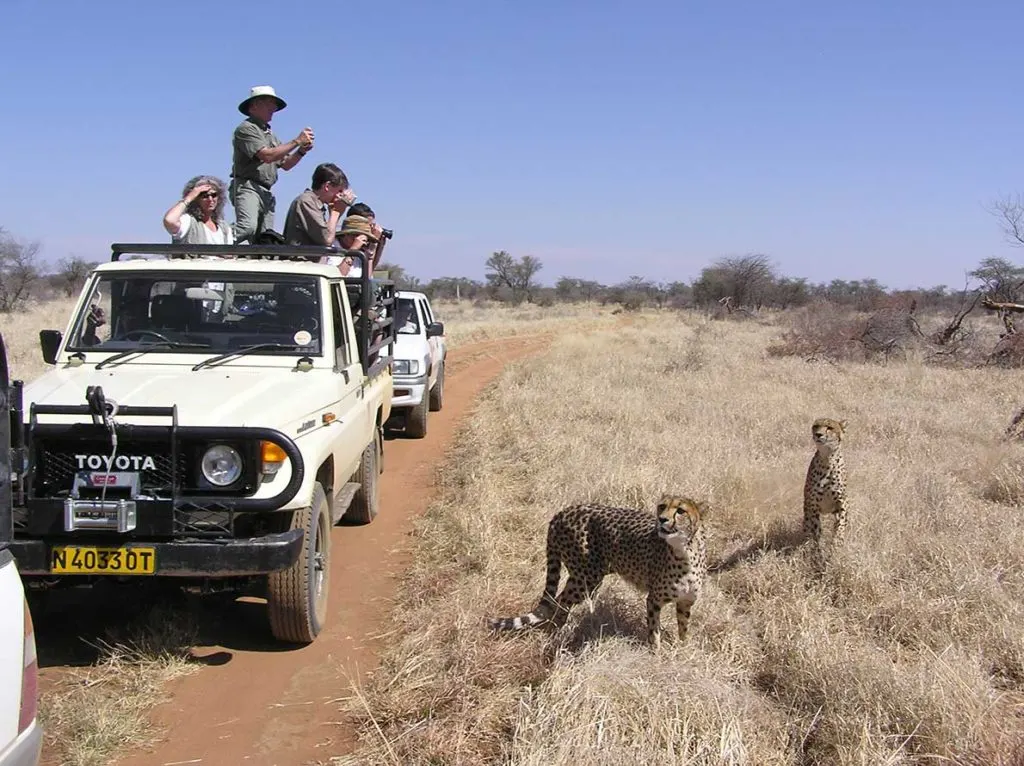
(516, 275)
(968, 301)
(526, 271)
(18, 271)
(1001, 285)
(1010, 212)
(72, 273)
(747, 279)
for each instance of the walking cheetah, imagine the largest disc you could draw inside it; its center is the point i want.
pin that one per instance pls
(825, 486)
(663, 555)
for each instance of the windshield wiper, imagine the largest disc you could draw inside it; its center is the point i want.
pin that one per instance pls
(240, 352)
(150, 347)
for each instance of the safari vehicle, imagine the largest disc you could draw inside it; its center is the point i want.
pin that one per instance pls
(212, 413)
(418, 366)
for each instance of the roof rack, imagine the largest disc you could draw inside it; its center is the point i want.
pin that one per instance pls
(249, 252)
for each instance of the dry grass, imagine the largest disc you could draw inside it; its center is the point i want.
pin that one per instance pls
(473, 321)
(910, 650)
(21, 335)
(92, 713)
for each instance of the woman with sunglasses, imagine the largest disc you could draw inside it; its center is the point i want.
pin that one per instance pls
(198, 217)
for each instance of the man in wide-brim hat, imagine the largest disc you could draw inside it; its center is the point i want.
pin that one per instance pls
(354, 234)
(257, 155)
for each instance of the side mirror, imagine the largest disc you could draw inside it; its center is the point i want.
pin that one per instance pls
(49, 341)
(434, 329)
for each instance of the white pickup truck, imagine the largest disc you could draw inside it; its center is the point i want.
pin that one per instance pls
(419, 360)
(213, 411)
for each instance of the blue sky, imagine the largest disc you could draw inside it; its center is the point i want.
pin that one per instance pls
(605, 138)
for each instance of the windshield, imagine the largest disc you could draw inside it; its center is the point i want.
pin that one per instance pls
(200, 311)
(407, 321)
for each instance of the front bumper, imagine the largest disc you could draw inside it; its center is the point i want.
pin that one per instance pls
(409, 390)
(186, 558)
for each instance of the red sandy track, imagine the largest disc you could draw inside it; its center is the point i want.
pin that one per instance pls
(253, 703)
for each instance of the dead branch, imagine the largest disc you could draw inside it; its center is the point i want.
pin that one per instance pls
(968, 301)
(992, 305)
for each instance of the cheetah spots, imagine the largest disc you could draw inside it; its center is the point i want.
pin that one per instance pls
(664, 555)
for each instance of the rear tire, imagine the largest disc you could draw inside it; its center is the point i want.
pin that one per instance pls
(437, 392)
(297, 596)
(366, 501)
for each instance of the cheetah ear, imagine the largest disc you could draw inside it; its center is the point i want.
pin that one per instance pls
(703, 508)
(842, 424)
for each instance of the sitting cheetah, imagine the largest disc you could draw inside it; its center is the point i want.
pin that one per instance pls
(825, 486)
(664, 555)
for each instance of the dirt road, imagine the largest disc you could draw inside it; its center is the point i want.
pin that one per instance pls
(253, 703)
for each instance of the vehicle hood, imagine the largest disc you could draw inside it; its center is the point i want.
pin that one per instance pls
(411, 347)
(229, 396)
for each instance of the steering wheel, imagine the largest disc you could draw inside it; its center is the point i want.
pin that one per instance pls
(164, 338)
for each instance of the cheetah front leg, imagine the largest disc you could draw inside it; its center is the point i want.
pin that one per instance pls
(654, 605)
(683, 607)
(812, 521)
(839, 527)
(812, 524)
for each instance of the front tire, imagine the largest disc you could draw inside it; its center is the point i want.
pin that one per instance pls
(437, 392)
(297, 596)
(416, 419)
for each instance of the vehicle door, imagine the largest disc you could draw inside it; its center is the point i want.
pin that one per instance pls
(434, 343)
(354, 422)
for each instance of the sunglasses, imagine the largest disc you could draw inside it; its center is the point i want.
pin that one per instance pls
(209, 195)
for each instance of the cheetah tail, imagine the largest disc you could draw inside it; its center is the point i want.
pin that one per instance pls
(545, 609)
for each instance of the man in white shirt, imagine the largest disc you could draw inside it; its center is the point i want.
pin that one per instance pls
(354, 234)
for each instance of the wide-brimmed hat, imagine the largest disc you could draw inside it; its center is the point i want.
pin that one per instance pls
(259, 91)
(357, 224)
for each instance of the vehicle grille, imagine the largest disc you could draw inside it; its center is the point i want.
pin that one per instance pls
(58, 464)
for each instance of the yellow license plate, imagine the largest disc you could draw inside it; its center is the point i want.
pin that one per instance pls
(87, 559)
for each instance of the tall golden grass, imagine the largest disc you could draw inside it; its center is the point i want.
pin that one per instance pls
(21, 334)
(909, 650)
(473, 321)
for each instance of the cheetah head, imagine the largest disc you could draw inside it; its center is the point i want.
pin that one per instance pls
(827, 433)
(678, 518)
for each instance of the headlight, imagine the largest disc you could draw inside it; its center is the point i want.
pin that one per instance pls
(222, 465)
(405, 366)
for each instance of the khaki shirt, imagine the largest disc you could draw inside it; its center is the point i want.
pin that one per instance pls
(250, 136)
(305, 224)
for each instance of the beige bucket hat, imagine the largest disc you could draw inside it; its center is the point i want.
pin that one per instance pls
(258, 91)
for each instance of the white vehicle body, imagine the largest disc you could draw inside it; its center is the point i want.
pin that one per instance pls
(21, 736)
(246, 393)
(419, 360)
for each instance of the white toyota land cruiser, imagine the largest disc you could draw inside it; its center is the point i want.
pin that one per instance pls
(418, 367)
(213, 412)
